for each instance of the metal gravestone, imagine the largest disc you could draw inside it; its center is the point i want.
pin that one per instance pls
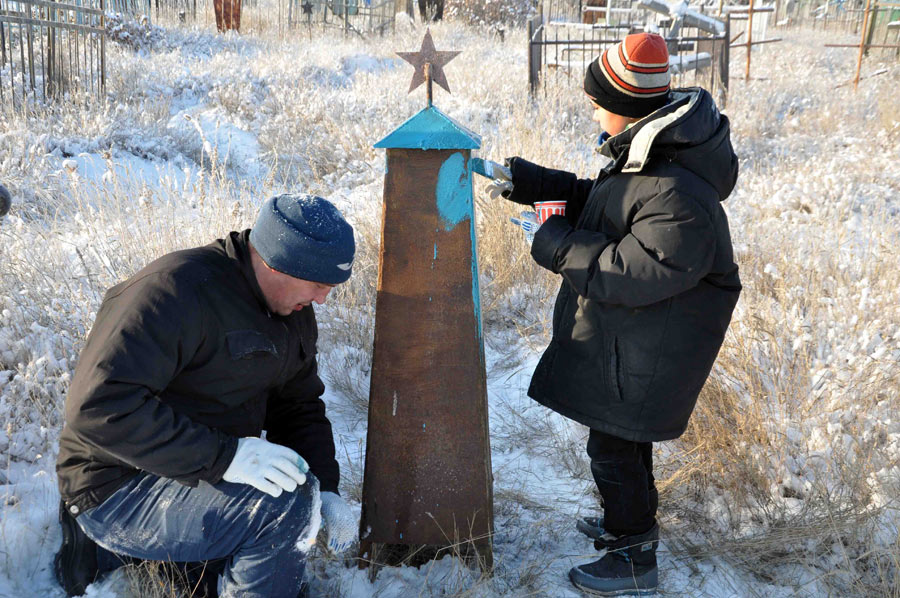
(428, 481)
(228, 15)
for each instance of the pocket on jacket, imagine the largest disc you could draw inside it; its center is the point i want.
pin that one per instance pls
(616, 369)
(246, 344)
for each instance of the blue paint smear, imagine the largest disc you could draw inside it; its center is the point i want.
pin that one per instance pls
(435, 251)
(454, 192)
(476, 292)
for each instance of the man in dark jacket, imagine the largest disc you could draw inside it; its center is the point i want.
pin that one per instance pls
(649, 286)
(187, 363)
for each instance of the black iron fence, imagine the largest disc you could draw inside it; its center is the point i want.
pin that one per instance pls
(50, 49)
(560, 52)
(359, 16)
(287, 17)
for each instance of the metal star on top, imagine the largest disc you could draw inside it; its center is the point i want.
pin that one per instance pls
(427, 54)
(307, 8)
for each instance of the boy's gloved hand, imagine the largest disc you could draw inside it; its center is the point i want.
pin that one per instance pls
(338, 522)
(502, 184)
(529, 223)
(266, 466)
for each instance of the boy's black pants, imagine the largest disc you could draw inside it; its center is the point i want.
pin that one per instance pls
(623, 471)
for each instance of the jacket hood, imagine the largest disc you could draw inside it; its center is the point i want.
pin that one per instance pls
(689, 131)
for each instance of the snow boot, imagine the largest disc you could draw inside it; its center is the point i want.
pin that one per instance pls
(592, 527)
(75, 564)
(627, 569)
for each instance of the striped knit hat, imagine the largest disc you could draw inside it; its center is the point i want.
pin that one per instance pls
(631, 78)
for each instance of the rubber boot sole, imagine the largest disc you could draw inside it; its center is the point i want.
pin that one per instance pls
(75, 565)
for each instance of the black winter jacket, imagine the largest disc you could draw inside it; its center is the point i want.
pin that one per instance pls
(649, 279)
(183, 359)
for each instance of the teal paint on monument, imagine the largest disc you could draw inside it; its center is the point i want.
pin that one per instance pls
(454, 191)
(455, 205)
(431, 129)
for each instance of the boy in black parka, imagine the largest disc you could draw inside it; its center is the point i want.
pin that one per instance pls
(649, 286)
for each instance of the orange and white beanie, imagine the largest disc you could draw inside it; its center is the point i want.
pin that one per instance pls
(631, 78)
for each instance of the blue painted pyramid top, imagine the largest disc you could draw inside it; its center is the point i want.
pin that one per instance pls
(431, 129)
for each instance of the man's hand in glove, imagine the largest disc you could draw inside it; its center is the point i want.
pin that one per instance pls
(266, 466)
(338, 523)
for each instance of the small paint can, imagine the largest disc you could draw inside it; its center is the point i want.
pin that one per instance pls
(545, 209)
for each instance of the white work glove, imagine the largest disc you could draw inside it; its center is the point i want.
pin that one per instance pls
(502, 185)
(529, 223)
(338, 523)
(266, 466)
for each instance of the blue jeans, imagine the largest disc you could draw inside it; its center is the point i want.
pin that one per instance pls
(158, 519)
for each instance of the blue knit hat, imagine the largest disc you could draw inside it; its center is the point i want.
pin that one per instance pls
(306, 237)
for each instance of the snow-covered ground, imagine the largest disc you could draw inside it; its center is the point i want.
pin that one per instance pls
(787, 481)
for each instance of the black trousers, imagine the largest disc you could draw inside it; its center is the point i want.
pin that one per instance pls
(623, 471)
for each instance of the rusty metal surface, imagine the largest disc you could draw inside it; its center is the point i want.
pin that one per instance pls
(228, 14)
(428, 55)
(428, 471)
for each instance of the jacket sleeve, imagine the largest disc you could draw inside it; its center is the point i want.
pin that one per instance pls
(533, 183)
(669, 249)
(143, 336)
(296, 418)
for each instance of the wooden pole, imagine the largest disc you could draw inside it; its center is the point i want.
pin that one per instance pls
(862, 44)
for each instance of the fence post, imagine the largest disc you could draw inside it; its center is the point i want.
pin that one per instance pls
(724, 63)
(749, 39)
(103, 46)
(862, 43)
(871, 33)
(532, 78)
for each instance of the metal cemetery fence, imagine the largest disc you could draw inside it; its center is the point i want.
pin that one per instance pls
(360, 16)
(848, 16)
(50, 49)
(286, 17)
(559, 52)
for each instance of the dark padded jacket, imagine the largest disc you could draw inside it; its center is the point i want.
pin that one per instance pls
(649, 278)
(183, 359)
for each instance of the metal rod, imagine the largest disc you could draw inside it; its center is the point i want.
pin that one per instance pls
(74, 7)
(43, 60)
(429, 92)
(30, 57)
(103, 45)
(866, 45)
(749, 40)
(862, 44)
(765, 41)
(22, 59)
(60, 25)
